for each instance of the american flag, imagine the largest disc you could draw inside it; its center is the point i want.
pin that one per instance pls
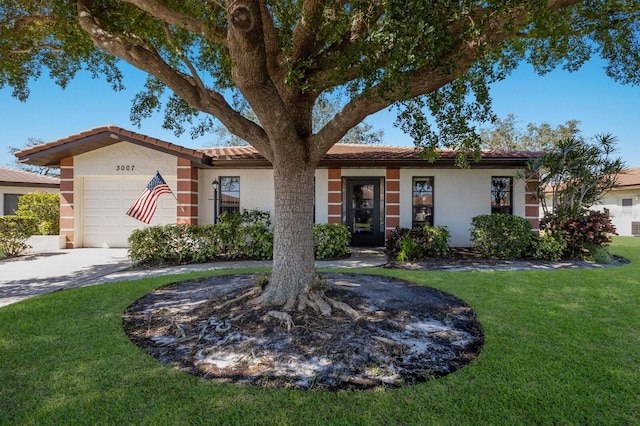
(145, 206)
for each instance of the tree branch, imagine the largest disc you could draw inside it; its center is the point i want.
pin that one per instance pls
(148, 60)
(427, 79)
(180, 20)
(39, 47)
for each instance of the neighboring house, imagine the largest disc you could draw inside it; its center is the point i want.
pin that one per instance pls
(623, 203)
(371, 189)
(14, 183)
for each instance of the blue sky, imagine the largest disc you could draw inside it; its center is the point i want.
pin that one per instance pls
(588, 95)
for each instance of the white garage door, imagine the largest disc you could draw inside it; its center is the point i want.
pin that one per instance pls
(105, 203)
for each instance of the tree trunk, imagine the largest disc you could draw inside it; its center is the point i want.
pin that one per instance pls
(293, 251)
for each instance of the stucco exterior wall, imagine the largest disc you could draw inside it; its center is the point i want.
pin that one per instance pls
(256, 190)
(621, 216)
(460, 194)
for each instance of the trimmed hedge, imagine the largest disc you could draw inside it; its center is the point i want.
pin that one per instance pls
(418, 243)
(245, 235)
(331, 241)
(501, 235)
(44, 208)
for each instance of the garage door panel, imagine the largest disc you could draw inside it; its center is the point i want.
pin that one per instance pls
(106, 201)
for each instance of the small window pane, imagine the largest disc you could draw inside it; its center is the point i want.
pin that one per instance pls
(230, 194)
(501, 194)
(627, 202)
(422, 201)
(10, 204)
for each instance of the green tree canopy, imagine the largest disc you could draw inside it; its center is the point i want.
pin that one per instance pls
(434, 61)
(505, 134)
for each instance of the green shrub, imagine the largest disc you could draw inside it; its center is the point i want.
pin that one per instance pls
(418, 243)
(246, 235)
(501, 235)
(549, 245)
(331, 241)
(44, 208)
(174, 244)
(584, 235)
(14, 232)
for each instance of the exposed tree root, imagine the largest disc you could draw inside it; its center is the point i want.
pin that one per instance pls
(283, 316)
(245, 295)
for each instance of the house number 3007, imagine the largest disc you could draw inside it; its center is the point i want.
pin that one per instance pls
(124, 168)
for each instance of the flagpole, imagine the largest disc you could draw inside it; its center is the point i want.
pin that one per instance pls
(174, 196)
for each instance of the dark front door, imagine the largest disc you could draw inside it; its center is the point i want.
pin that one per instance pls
(363, 212)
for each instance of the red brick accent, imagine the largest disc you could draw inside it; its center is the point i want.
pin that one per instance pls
(531, 211)
(393, 173)
(393, 185)
(187, 209)
(392, 222)
(335, 174)
(66, 198)
(67, 210)
(393, 198)
(530, 199)
(335, 186)
(187, 186)
(335, 198)
(66, 185)
(336, 211)
(393, 210)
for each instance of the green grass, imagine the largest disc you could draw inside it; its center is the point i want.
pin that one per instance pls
(562, 347)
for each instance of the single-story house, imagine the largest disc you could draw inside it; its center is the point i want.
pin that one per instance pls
(14, 183)
(623, 203)
(371, 189)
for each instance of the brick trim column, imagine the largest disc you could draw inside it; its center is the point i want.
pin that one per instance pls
(392, 200)
(187, 209)
(334, 196)
(67, 210)
(531, 203)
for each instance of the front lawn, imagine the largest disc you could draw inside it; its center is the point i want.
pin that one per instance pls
(561, 347)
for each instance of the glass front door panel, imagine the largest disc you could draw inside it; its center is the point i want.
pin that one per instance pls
(362, 204)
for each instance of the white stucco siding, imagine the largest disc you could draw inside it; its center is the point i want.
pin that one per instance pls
(621, 216)
(107, 182)
(256, 190)
(459, 195)
(321, 200)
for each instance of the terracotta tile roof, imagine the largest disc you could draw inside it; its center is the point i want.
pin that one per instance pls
(51, 153)
(360, 152)
(629, 177)
(19, 177)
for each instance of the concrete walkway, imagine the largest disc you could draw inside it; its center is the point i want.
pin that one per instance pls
(35, 274)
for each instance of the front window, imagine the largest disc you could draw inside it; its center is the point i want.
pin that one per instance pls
(10, 204)
(422, 201)
(230, 194)
(501, 194)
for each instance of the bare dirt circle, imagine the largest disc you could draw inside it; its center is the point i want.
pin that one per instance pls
(405, 334)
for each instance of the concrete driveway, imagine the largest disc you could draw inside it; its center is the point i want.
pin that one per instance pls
(40, 273)
(32, 275)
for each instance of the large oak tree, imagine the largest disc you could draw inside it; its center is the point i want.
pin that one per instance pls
(433, 60)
